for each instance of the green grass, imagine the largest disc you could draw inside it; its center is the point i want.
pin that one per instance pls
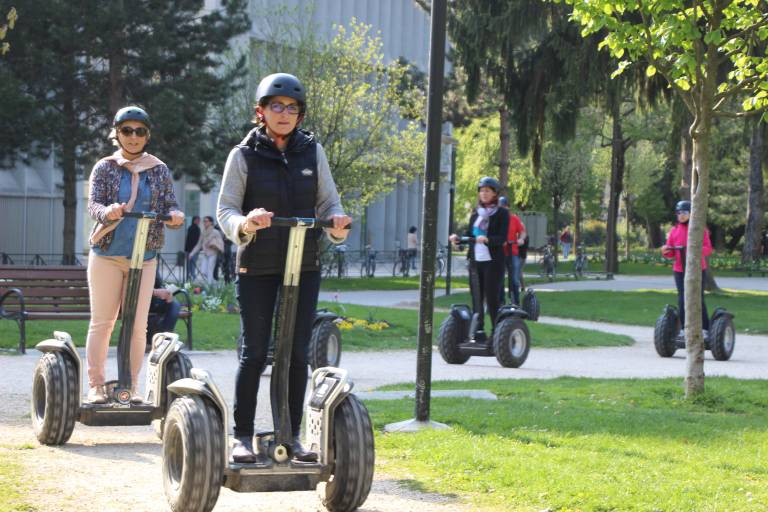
(641, 307)
(408, 283)
(12, 482)
(219, 331)
(588, 445)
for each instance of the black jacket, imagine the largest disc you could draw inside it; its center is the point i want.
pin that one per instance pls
(498, 224)
(283, 182)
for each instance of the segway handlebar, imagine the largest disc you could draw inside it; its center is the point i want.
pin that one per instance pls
(306, 222)
(464, 240)
(147, 215)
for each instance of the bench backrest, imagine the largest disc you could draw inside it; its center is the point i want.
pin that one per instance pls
(64, 286)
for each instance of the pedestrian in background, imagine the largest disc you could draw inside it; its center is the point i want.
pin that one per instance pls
(193, 236)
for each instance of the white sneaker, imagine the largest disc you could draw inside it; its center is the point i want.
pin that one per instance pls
(136, 397)
(97, 395)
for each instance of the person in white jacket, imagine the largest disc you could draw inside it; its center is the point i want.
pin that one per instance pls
(210, 246)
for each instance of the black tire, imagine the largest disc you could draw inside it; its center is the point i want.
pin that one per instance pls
(193, 455)
(723, 336)
(55, 392)
(448, 341)
(664, 334)
(511, 342)
(353, 457)
(178, 367)
(325, 345)
(531, 305)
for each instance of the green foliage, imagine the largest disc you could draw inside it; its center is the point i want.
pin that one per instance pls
(366, 113)
(577, 444)
(685, 42)
(11, 18)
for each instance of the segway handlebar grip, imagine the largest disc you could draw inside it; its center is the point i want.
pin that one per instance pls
(147, 215)
(307, 222)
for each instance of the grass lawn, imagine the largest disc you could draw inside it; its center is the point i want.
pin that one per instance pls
(588, 445)
(12, 482)
(640, 307)
(408, 283)
(214, 331)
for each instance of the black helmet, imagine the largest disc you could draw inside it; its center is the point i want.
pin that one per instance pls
(489, 182)
(131, 113)
(281, 84)
(503, 201)
(683, 206)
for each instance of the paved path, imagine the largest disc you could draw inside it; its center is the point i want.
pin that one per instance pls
(619, 283)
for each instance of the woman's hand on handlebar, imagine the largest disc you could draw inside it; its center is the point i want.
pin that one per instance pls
(177, 218)
(480, 239)
(257, 219)
(115, 211)
(339, 223)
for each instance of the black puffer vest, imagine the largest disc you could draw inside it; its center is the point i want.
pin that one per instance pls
(284, 183)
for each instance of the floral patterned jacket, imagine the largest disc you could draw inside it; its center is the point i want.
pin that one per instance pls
(104, 187)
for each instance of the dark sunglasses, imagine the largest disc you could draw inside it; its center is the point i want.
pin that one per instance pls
(278, 108)
(129, 130)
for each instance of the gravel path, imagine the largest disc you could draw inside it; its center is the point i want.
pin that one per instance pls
(118, 469)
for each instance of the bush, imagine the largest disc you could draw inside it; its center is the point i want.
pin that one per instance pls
(593, 232)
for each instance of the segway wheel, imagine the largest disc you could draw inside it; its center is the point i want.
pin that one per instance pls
(665, 332)
(325, 345)
(723, 336)
(193, 455)
(531, 305)
(55, 390)
(353, 457)
(511, 342)
(178, 367)
(448, 341)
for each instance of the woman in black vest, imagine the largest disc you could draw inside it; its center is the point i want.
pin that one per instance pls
(277, 170)
(488, 224)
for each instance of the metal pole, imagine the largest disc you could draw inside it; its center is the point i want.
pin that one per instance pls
(451, 195)
(429, 219)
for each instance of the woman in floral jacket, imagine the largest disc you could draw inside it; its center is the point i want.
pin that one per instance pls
(128, 180)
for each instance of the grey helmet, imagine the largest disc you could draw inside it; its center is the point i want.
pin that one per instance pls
(281, 84)
(131, 113)
(492, 183)
(683, 206)
(503, 201)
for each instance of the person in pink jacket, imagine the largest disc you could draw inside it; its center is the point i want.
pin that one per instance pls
(677, 239)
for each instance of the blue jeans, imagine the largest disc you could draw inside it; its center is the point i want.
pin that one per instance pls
(192, 267)
(566, 249)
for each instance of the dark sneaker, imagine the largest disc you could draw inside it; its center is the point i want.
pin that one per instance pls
(300, 454)
(242, 451)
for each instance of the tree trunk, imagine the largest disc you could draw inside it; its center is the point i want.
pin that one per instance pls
(615, 186)
(68, 164)
(756, 196)
(700, 133)
(504, 141)
(576, 219)
(556, 221)
(686, 155)
(628, 210)
(655, 235)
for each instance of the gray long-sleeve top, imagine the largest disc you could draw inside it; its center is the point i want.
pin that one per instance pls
(229, 209)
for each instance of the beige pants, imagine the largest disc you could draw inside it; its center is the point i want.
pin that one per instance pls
(107, 281)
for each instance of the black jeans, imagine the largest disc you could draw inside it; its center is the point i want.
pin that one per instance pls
(679, 277)
(490, 275)
(256, 296)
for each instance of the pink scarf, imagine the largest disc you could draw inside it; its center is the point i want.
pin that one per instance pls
(136, 167)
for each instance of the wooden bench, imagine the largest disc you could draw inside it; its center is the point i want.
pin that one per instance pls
(49, 292)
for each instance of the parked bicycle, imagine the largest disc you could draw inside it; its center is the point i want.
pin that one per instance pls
(547, 262)
(402, 265)
(440, 261)
(368, 265)
(580, 263)
(336, 264)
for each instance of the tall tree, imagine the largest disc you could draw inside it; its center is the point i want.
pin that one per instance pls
(690, 44)
(80, 59)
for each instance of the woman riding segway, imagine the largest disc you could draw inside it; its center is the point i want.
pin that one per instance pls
(488, 224)
(278, 169)
(128, 180)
